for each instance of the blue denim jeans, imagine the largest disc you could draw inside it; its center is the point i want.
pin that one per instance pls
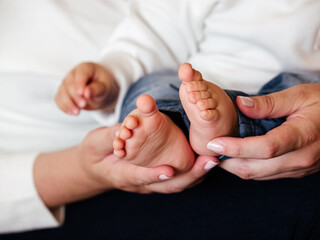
(164, 88)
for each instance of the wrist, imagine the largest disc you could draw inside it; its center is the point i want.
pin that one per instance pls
(90, 171)
(60, 178)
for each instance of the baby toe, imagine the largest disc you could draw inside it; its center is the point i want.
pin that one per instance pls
(119, 153)
(125, 133)
(131, 122)
(209, 115)
(196, 86)
(118, 143)
(205, 104)
(194, 97)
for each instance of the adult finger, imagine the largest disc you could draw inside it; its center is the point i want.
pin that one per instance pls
(130, 177)
(292, 162)
(300, 129)
(291, 174)
(291, 135)
(178, 183)
(279, 104)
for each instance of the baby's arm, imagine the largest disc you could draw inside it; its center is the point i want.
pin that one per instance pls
(88, 86)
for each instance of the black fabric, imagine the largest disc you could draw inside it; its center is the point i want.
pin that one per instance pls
(222, 207)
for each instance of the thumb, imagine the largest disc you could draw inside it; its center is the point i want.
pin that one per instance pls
(102, 138)
(273, 105)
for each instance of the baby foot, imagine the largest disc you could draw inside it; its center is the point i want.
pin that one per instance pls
(150, 138)
(210, 110)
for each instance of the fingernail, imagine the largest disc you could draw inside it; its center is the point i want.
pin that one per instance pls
(214, 146)
(117, 133)
(209, 165)
(163, 177)
(247, 101)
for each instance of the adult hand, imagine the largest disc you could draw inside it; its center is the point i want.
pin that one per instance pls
(185, 180)
(107, 170)
(291, 150)
(90, 168)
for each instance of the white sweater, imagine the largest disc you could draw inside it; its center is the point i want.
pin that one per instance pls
(238, 44)
(40, 41)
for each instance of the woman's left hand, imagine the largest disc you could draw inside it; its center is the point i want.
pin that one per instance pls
(291, 150)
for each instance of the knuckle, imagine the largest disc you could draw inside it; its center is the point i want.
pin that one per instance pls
(270, 104)
(305, 163)
(140, 182)
(173, 188)
(270, 150)
(309, 134)
(184, 165)
(302, 92)
(239, 150)
(244, 172)
(120, 185)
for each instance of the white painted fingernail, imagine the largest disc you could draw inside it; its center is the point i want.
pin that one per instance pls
(209, 165)
(247, 101)
(214, 146)
(163, 177)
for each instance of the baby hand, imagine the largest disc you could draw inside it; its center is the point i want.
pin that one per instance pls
(88, 86)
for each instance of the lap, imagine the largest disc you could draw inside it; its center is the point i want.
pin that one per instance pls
(222, 207)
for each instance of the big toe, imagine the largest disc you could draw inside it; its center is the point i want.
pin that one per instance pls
(186, 72)
(146, 105)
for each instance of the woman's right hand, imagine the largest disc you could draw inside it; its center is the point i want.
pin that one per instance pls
(107, 170)
(90, 168)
